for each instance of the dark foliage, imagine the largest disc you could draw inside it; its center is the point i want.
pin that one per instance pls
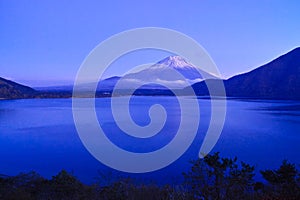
(220, 178)
(283, 183)
(210, 178)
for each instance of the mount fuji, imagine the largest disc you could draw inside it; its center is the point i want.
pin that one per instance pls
(173, 72)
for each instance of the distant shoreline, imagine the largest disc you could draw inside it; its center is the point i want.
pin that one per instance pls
(198, 97)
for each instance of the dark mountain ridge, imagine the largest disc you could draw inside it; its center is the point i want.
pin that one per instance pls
(278, 79)
(12, 90)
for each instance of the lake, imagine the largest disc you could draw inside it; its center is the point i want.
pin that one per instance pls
(40, 135)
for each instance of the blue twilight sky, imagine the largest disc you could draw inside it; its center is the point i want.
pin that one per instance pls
(44, 42)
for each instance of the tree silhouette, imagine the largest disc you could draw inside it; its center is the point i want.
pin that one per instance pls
(220, 178)
(282, 183)
(209, 178)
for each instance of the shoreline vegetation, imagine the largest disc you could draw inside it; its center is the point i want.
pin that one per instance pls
(210, 178)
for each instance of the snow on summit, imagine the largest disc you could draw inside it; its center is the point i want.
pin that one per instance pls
(175, 61)
(172, 71)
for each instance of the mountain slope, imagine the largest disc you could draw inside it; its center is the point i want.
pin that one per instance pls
(12, 90)
(164, 73)
(278, 79)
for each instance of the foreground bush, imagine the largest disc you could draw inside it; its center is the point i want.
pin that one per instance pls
(210, 178)
(220, 178)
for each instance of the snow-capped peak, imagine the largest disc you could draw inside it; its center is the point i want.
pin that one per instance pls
(164, 72)
(174, 61)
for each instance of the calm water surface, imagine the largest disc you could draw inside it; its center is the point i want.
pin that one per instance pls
(40, 135)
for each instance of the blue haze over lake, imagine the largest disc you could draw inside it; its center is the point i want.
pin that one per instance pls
(40, 135)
